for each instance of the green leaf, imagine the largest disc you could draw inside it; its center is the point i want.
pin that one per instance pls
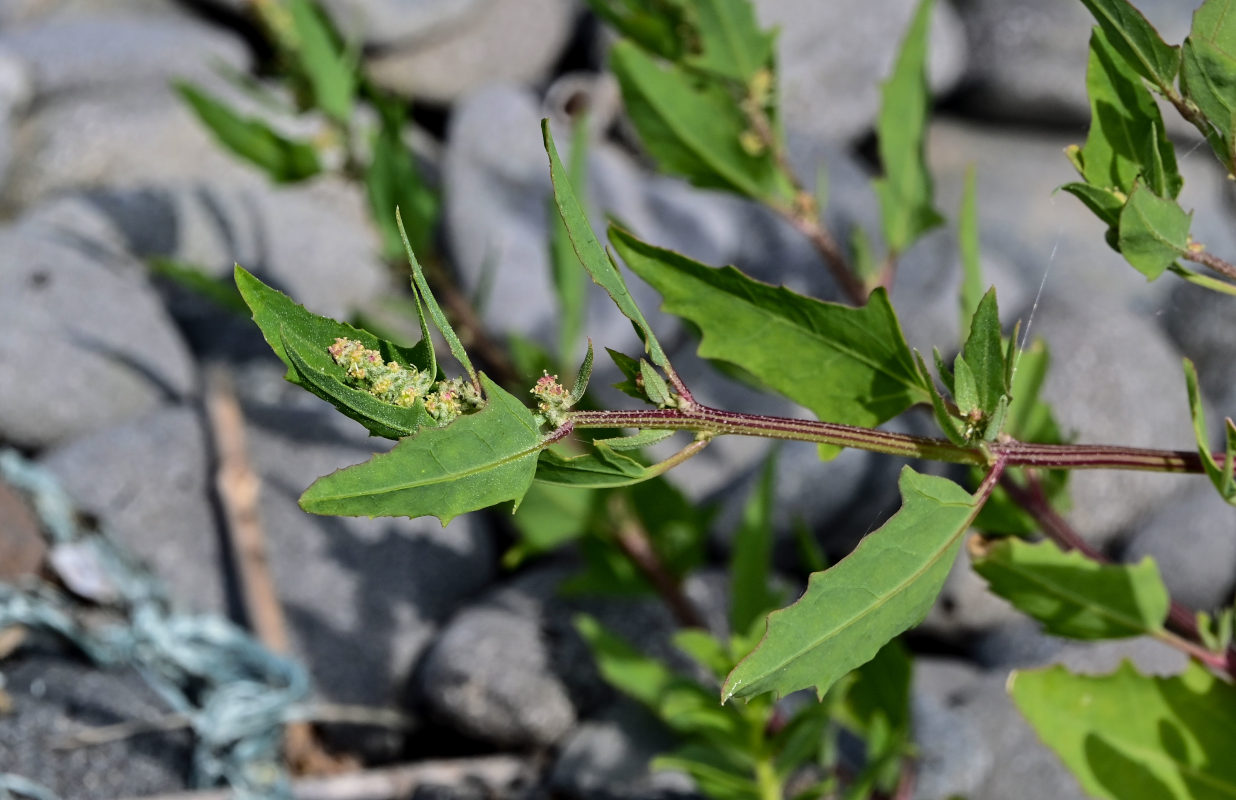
(731, 43)
(622, 666)
(1029, 419)
(393, 181)
(905, 191)
(1126, 141)
(283, 160)
(581, 378)
(654, 385)
(635, 441)
(196, 280)
(1072, 595)
(876, 704)
(952, 426)
(598, 469)
(1136, 41)
(751, 594)
(327, 380)
(885, 586)
(477, 461)
(655, 25)
(849, 365)
(696, 129)
(1131, 737)
(278, 316)
(1153, 233)
(570, 282)
(1208, 72)
(590, 253)
(984, 355)
(421, 286)
(331, 73)
(968, 245)
(1221, 476)
(548, 517)
(1105, 205)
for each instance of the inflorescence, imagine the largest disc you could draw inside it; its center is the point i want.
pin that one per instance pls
(402, 386)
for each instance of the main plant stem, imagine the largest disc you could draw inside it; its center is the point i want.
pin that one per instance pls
(701, 418)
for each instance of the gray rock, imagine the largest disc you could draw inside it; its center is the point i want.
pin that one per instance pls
(313, 241)
(1114, 380)
(953, 758)
(55, 698)
(1016, 642)
(832, 58)
(92, 54)
(1192, 538)
(1028, 60)
(514, 41)
(147, 480)
(1201, 325)
(400, 22)
(1150, 657)
(86, 342)
(489, 677)
(122, 138)
(608, 757)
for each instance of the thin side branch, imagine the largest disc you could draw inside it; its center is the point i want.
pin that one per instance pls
(1212, 262)
(635, 543)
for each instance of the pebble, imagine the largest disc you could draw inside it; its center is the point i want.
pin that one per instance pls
(92, 315)
(386, 23)
(54, 698)
(1192, 538)
(505, 41)
(832, 60)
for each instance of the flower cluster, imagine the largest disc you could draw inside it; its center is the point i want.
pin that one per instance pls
(554, 399)
(402, 386)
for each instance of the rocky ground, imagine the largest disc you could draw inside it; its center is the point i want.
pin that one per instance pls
(103, 368)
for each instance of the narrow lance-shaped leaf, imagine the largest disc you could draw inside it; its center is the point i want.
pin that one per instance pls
(882, 588)
(968, 245)
(905, 191)
(602, 468)
(393, 181)
(984, 355)
(849, 365)
(282, 159)
(1072, 595)
(1208, 73)
(435, 311)
(751, 596)
(696, 128)
(331, 74)
(1137, 42)
(479, 460)
(570, 282)
(590, 253)
(1222, 476)
(1154, 232)
(730, 40)
(1127, 736)
(1126, 141)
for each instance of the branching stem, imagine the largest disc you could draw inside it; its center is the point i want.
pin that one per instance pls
(696, 417)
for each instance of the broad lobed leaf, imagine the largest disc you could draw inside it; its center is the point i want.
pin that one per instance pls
(1136, 41)
(1153, 233)
(1072, 595)
(479, 460)
(1208, 73)
(849, 365)
(1127, 736)
(850, 611)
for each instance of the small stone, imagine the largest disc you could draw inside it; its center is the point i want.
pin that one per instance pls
(22, 546)
(55, 698)
(508, 41)
(147, 482)
(832, 58)
(489, 676)
(382, 23)
(1192, 539)
(86, 343)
